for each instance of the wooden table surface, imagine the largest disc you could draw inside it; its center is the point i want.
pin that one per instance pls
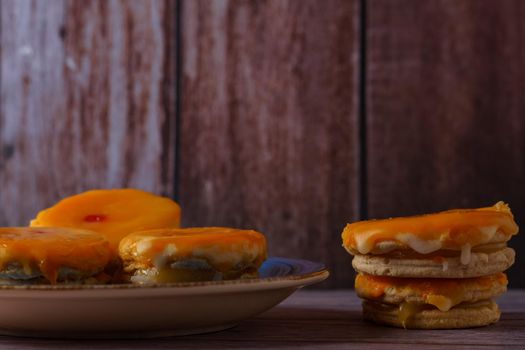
(320, 320)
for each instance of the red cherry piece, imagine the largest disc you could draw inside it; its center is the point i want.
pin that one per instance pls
(95, 218)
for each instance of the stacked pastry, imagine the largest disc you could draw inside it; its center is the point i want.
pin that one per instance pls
(433, 271)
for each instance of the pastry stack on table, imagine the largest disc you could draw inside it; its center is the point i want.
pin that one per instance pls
(434, 271)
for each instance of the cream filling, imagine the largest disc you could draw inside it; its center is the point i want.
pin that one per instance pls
(213, 254)
(419, 245)
(364, 243)
(466, 254)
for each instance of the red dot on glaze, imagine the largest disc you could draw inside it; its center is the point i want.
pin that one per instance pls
(95, 218)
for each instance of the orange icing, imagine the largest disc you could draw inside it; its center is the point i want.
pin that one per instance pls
(53, 248)
(450, 229)
(222, 247)
(113, 213)
(442, 293)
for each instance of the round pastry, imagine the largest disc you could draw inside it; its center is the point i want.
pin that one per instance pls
(114, 213)
(192, 254)
(451, 244)
(51, 255)
(431, 303)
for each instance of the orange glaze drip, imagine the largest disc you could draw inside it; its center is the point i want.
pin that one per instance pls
(452, 228)
(433, 291)
(215, 244)
(113, 213)
(50, 249)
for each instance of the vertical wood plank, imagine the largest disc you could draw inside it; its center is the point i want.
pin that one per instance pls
(445, 97)
(268, 122)
(87, 96)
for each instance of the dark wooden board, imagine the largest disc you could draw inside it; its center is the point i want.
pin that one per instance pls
(268, 122)
(445, 84)
(320, 319)
(87, 93)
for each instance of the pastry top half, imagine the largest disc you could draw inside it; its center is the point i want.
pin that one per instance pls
(444, 294)
(114, 213)
(50, 255)
(227, 251)
(458, 230)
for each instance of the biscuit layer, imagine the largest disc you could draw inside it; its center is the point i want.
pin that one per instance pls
(480, 264)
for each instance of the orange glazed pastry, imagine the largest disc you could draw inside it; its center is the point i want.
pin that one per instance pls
(51, 255)
(192, 254)
(431, 303)
(433, 271)
(113, 213)
(454, 243)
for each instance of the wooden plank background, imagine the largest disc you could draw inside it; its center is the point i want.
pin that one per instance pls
(276, 120)
(291, 117)
(87, 91)
(446, 123)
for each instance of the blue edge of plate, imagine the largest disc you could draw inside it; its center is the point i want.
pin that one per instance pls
(282, 267)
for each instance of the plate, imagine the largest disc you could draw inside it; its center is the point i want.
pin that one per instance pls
(134, 311)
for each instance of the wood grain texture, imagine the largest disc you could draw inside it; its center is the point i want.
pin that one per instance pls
(87, 89)
(268, 122)
(445, 107)
(321, 320)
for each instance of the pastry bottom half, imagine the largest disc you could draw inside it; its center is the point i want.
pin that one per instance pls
(407, 315)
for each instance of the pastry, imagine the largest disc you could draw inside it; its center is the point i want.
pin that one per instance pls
(51, 255)
(192, 254)
(431, 303)
(433, 271)
(115, 213)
